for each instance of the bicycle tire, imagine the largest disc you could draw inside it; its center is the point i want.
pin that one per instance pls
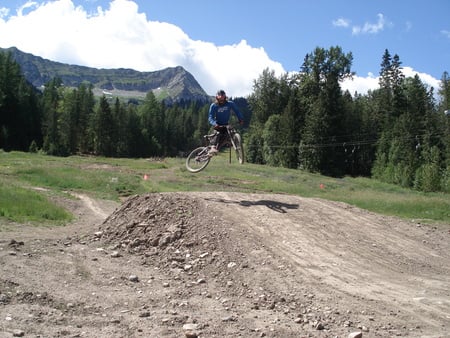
(197, 160)
(239, 148)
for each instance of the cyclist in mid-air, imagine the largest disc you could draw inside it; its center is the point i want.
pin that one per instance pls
(219, 116)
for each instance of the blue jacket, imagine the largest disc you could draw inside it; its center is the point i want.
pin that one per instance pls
(220, 114)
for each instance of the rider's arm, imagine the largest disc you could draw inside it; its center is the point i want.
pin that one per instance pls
(212, 114)
(237, 111)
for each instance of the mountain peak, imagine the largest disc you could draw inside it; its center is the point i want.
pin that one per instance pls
(173, 84)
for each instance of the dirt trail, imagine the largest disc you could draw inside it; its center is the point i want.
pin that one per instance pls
(93, 206)
(351, 251)
(226, 265)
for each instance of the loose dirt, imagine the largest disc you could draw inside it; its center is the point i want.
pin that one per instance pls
(219, 264)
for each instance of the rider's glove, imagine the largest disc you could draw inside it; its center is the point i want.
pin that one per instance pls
(217, 127)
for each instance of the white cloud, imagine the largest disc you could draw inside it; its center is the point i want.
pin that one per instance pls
(408, 26)
(4, 12)
(446, 33)
(121, 37)
(425, 78)
(341, 22)
(370, 28)
(28, 4)
(362, 85)
(359, 84)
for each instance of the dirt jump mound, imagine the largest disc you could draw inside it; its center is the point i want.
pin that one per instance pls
(156, 221)
(173, 230)
(289, 266)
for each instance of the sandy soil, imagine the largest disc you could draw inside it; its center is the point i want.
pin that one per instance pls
(220, 264)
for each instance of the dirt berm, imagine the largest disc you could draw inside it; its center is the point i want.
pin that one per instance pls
(219, 264)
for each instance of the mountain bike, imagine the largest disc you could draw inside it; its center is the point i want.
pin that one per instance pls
(199, 158)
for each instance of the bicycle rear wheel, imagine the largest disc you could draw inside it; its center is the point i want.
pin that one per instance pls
(239, 147)
(197, 160)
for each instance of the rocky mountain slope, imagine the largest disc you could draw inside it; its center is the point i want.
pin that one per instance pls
(170, 84)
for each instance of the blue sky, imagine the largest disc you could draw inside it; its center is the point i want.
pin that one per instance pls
(228, 44)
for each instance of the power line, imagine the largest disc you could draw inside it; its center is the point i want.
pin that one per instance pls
(354, 143)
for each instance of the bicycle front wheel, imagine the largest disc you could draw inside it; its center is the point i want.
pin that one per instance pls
(239, 147)
(197, 160)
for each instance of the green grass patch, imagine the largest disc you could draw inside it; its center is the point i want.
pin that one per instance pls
(420, 207)
(102, 177)
(26, 206)
(114, 179)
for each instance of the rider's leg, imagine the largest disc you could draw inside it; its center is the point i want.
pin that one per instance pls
(214, 142)
(221, 138)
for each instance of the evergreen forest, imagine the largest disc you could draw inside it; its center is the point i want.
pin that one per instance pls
(398, 133)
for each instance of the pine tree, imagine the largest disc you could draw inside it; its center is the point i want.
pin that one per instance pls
(272, 141)
(324, 129)
(152, 115)
(86, 105)
(104, 129)
(51, 104)
(20, 114)
(267, 98)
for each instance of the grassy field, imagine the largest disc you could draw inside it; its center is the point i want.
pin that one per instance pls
(28, 181)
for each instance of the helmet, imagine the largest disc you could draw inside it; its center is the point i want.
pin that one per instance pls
(221, 96)
(221, 92)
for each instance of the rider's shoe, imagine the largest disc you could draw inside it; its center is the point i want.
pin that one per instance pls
(213, 151)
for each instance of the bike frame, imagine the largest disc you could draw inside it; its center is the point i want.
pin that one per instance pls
(227, 141)
(200, 156)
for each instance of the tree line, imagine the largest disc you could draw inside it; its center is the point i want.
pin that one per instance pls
(397, 133)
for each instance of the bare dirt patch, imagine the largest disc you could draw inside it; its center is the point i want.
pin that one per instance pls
(223, 264)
